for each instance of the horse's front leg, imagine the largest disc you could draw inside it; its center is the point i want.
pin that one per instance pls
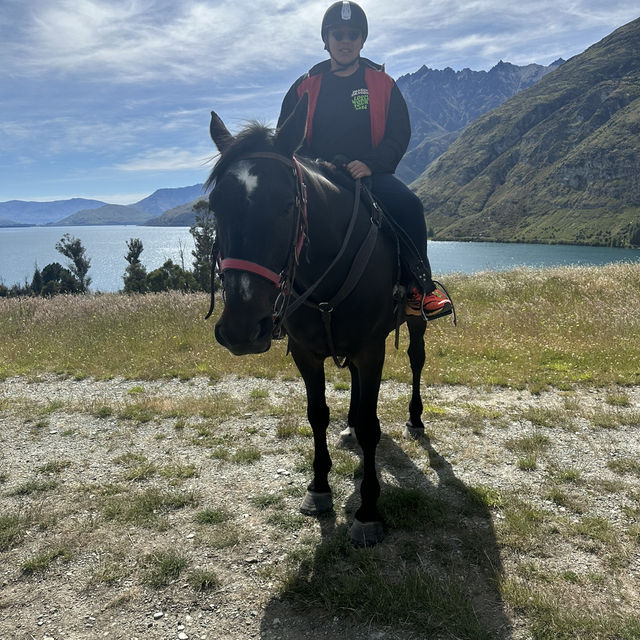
(367, 527)
(415, 427)
(318, 499)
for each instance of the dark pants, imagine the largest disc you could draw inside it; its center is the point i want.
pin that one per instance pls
(406, 209)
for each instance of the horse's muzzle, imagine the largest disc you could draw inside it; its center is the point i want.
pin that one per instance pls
(242, 338)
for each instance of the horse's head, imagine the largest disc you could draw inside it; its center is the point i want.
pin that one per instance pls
(254, 203)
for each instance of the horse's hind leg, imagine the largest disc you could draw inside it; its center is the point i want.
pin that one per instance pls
(367, 527)
(416, 326)
(318, 499)
(348, 435)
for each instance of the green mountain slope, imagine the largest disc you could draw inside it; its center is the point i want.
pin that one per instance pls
(108, 214)
(558, 162)
(181, 216)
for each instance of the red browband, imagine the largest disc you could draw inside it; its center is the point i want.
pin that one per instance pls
(236, 264)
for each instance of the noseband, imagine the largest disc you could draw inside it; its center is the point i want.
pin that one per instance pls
(283, 280)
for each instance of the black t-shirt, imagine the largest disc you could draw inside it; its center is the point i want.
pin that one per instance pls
(342, 117)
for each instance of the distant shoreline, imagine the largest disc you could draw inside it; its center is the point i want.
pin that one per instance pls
(5, 225)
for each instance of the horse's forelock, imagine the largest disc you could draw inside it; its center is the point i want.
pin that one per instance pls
(255, 137)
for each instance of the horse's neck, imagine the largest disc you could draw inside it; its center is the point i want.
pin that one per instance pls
(329, 212)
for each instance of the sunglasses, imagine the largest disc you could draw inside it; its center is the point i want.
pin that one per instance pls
(340, 35)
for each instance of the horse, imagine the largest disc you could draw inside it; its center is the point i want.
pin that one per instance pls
(300, 254)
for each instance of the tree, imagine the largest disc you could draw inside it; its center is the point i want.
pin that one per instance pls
(171, 276)
(72, 248)
(203, 232)
(135, 278)
(56, 279)
(36, 282)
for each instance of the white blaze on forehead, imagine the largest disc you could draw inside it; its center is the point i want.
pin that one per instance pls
(245, 287)
(242, 171)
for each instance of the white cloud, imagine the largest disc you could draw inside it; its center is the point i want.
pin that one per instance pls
(149, 40)
(167, 160)
(133, 41)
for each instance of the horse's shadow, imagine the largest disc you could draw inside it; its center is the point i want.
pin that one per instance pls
(435, 575)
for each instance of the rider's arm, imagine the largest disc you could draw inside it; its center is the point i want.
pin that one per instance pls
(289, 103)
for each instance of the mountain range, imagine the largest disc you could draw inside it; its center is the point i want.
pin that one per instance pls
(19, 212)
(442, 103)
(80, 211)
(557, 163)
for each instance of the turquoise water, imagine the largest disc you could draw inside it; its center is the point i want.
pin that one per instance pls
(21, 249)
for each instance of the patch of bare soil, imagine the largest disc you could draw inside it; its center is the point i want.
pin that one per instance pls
(71, 461)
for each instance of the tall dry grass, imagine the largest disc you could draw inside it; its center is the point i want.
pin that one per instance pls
(525, 327)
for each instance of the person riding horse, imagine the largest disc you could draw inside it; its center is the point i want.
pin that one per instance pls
(356, 112)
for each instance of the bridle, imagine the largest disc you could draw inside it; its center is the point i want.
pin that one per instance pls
(284, 279)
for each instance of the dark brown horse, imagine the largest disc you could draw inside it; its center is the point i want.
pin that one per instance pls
(298, 250)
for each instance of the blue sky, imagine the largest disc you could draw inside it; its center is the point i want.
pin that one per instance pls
(110, 99)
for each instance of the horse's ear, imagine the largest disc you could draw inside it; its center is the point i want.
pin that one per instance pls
(291, 134)
(219, 133)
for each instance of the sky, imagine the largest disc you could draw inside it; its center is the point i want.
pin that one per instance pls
(111, 99)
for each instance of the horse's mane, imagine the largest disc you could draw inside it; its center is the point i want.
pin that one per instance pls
(255, 137)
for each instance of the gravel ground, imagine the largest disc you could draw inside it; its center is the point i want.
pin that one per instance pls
(54, 419)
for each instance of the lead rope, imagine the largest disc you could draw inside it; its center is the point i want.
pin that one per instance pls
(214, 261)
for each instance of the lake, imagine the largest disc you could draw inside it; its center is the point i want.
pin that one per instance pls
(22, 248)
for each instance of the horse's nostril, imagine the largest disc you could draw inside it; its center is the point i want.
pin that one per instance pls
(219, 334)
(265, 327)
(241, 339)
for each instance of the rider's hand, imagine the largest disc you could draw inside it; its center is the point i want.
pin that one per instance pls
(358, 169)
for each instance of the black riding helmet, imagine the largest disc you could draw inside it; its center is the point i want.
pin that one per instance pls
(344, 14)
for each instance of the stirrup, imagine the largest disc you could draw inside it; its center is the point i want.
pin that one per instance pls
(450, 311)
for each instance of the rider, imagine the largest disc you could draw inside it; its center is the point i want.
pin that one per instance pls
(357, 111)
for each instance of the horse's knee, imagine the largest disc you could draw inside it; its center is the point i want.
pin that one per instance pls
(318, 416)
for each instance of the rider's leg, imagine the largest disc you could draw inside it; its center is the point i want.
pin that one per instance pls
(407, 210)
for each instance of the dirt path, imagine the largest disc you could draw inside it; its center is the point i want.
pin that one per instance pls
(76, 456)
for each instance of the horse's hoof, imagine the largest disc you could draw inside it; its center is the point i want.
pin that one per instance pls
(347, 437)
(315, 503)
(366, 534)
(413, 433)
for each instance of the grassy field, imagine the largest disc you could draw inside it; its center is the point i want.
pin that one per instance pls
(517, 517)
(522, 329)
